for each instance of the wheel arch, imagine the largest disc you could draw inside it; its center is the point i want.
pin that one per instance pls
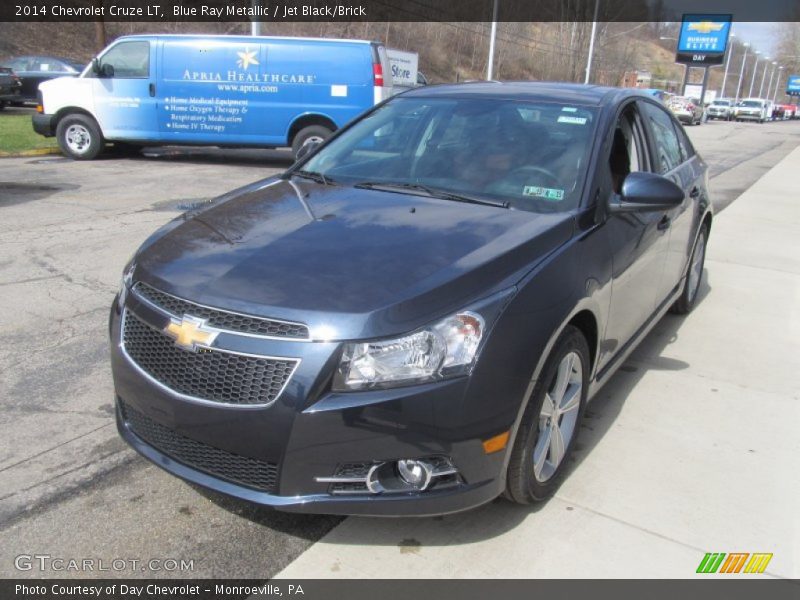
(73, 110)
(307, 120)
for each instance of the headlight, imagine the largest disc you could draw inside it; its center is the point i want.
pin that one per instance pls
(127, 280)
(445, 349)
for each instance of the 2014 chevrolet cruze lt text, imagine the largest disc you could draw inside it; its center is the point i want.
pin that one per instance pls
(411, 319)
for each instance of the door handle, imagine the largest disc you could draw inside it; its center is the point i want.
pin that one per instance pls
(152, 89)
(695, 192)
(664, 223)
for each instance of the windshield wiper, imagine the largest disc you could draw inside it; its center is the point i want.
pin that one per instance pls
(313, 176)
(428, 191)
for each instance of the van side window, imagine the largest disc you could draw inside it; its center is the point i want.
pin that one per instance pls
(129, 60)
(668, 152)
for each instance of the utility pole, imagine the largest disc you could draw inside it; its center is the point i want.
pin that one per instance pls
(741, 72)
(763, 78)
(727, 64)
(771, 75)
(492, 36)
(753, 78)
(591, 42)
(255, 24)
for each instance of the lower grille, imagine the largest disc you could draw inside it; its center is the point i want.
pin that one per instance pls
(208, 374)
(243, 470)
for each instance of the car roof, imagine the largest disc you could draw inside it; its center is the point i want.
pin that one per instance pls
(547, 91)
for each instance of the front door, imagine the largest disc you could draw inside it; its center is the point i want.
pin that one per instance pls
(124, 91)
(638, 240)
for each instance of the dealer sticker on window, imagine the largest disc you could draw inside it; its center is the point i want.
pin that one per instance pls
(573, 120)
(543, 192)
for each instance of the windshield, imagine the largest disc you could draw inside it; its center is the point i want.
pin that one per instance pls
(751, 103)
(721, 103)
(527, 155)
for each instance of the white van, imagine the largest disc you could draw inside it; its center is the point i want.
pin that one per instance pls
(215, 91)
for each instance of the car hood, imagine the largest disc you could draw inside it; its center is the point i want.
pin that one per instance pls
(372, 262)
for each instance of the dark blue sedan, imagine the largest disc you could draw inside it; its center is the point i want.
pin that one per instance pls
(412, 319)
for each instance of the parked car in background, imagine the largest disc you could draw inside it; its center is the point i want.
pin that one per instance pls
(721, 108)
(662, 96)
(264, 92)
(688, 110)
(784, 111)
(412, 318)
(33, 70)
(752, 109)
(10, 87)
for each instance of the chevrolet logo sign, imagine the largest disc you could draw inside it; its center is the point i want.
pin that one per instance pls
(191, 333)
(705, 26)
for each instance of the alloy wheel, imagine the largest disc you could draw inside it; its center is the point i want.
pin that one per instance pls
(558, 417)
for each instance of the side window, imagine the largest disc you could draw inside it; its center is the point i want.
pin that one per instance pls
(628, 152)
(668, 152)
(687, 150)
(127, 60)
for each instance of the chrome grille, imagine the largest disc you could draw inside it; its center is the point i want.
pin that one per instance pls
(209, 374)
(225, 465)
(219, 318)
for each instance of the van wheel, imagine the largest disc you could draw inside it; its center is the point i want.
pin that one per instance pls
(551, 421)
(79, 137)
(309, 135)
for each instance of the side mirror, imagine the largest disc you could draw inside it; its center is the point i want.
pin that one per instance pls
(107, 70)
(306, 149)
(644, 192)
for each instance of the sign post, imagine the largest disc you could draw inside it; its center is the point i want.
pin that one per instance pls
(702, 43)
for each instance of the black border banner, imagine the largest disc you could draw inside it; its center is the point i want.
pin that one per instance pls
(389, 10)
(745, 588)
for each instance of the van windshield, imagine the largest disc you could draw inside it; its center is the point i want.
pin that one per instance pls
(527, 155)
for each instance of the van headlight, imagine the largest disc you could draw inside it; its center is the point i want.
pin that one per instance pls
(445, 349)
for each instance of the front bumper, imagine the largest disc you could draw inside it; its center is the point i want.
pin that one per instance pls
(44, 124)
(310, 432)
(750, 116)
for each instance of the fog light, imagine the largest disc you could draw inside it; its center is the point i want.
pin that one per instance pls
(415, 473)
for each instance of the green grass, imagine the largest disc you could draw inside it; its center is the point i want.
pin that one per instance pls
(17, 135)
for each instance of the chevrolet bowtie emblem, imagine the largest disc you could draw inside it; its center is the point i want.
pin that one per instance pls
(705, 26)
(190, 333)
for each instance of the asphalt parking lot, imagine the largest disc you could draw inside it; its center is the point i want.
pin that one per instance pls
(68, 486)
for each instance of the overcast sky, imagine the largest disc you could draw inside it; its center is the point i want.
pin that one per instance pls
(760, 35)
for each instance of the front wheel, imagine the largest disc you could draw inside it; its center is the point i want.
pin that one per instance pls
(3, 104)
(686, 302)
(79, 137)
(313, 134)
(551, 421)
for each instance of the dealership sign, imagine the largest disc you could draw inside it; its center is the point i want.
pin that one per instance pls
(793, 85)
(703, 39)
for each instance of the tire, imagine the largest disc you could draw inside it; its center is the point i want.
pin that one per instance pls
(3, 104)
(694, 275)
(523, 484)
(79, 137)
(312, 133)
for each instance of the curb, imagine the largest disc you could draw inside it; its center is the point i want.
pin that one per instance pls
(35, 152)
